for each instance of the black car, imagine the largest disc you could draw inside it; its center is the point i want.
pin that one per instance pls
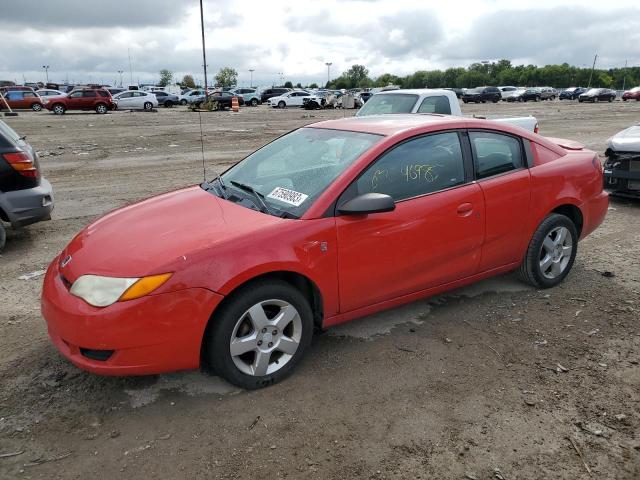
(364, 96)
(572, 93)
(458, 91)
(272, 92)
(25, 197)
(598, 95)
(166, 99)
(482, 95)
(530, 94)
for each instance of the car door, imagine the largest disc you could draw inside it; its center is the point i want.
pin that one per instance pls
(74, 100)
(502, 173)
(434, 235)
(88, 100)
(124, 100)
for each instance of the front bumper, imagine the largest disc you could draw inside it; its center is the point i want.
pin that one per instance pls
(150, 335)
(31, 205)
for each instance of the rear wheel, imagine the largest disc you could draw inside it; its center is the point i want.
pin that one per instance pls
(610, 99)
(551, 252)
(183, 102)
(259, 335)
(254, 102)
(147, 105)
(101, 108)
(36, 107)
(168, 104)
(58, 109)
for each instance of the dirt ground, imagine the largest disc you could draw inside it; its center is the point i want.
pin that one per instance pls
(492, 381)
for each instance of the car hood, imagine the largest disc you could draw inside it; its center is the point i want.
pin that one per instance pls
(148, 237)
(628, 140)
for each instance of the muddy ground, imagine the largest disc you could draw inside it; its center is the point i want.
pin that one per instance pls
(497, 380)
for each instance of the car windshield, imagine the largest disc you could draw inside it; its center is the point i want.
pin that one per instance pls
(572, 89)
(291, 172)
(593, 91)
(388, 103)
(475, 90)
(8, 132)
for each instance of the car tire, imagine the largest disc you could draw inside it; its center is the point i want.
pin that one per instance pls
(536, 99)
(3, 237)
(551, 252)
(253, 364)
(58, 109)
(281, 104)
(254, 102)
(168, 104)
(610, 99)
(36, 107)
(183, 102)
(101, 108)
(147, 106)
(465, 101)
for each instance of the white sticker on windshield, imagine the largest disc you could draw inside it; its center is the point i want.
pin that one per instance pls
(288, 196)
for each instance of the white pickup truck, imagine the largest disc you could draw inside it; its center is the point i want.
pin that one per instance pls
(427, 100)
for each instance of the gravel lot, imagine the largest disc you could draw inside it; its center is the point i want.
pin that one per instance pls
(493, 377)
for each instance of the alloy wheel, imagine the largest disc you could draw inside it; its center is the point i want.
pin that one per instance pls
(266, 337)
(555, 253)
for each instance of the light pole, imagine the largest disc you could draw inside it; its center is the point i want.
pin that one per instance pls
(46, 71)
(251, 70)
(328, 64)
(204, 55)
(281, 78)
(120, 72)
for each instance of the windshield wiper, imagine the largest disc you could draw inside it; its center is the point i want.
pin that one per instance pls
(248, 188)
(210, 185)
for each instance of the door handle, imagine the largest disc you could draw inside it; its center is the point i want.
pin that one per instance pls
(465, 209)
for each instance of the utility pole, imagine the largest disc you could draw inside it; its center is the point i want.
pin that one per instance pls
(204, 55)
(120, 72)
(46, 71)
(592, 69)
(624, 75)
(328, 64)
(130, 66)
(251, 70)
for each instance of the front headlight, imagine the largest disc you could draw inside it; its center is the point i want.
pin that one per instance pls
(104, 291)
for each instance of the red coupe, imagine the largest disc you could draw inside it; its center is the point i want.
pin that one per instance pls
(328, 223)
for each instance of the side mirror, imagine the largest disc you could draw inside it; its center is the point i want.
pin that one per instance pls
(368, 203)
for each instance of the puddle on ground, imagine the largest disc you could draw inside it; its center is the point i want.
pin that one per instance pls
(191, 383)
(382, 323)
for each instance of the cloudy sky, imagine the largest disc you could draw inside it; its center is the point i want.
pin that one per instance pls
(86, 41)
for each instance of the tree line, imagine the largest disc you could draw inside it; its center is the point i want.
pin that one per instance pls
(501, 72)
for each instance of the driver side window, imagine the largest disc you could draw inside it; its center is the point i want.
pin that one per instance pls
(416, 167)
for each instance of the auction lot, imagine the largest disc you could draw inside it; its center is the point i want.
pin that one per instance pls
(496, 380)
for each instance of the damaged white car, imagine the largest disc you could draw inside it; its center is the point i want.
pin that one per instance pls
(622, 166)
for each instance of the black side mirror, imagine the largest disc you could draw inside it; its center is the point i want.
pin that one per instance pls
(368, 203)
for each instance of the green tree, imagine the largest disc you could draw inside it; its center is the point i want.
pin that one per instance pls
(227, 77)
(188, 82)
(313, 85)
(356, 74)
(165, 77)
(288, 84)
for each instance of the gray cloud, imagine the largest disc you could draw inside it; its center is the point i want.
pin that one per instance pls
(85, 14)
(557, 35)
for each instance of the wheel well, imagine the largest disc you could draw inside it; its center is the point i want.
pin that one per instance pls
(308, 288)
(574, 214)
(3, 216)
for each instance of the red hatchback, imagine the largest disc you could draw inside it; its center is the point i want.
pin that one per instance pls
(98, 99)
(22, 100)
(328, 223)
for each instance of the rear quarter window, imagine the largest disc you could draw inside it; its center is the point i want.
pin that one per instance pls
(495, 153)
(439, 104)
(103, 93)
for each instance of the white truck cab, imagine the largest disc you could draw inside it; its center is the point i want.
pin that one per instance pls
(426, 100)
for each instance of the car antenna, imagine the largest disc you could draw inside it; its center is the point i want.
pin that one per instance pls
(204, 168)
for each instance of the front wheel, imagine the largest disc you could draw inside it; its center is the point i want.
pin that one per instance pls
(610, 99)
(147, 106)
(281, 104)
(254, 102)
(183, 102)
(259, 335)
(168, 104)
(101, 108)
(58, 109)
(551, 252)
(36, 107)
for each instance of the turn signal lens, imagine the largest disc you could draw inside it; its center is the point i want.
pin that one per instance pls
(22, 163)
(144, 286)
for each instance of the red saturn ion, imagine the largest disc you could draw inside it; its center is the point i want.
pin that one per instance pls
(329, 222)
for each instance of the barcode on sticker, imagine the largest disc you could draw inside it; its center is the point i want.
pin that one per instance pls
(288, 196)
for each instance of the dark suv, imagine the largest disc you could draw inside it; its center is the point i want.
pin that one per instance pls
(98, 99)
(482, 94)
(272, 92)
(25, 197)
